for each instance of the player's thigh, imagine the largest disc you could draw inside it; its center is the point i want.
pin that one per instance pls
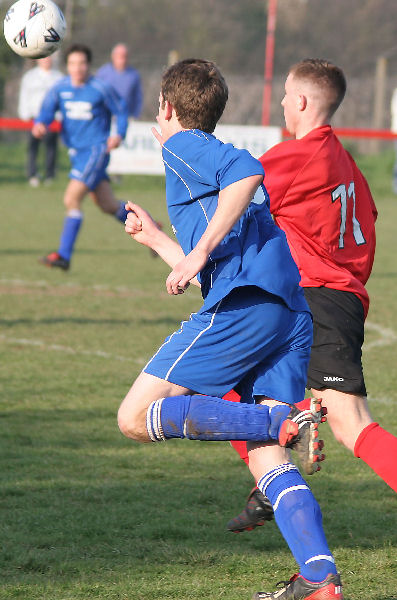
(338, 335)
(282, 373)
(74, 194)
(88, 165)
(104, 197)
(145, 390)
(217, 348)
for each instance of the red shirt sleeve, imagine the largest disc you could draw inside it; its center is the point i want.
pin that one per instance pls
(281, 165)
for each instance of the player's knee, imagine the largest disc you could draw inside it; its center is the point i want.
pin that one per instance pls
(71, 204)
(127, 424)
(132, 425)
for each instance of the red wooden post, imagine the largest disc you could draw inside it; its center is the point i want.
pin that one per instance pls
(269, 59)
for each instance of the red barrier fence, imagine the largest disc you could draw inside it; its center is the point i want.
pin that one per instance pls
(380, 134)
(17, 124)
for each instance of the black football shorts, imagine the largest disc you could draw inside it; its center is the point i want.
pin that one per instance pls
(338, 336)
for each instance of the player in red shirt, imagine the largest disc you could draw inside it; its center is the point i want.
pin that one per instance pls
(321, 200)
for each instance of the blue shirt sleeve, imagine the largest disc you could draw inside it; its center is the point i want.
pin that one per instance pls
(49, 107)
(236, 165)
(204, 164)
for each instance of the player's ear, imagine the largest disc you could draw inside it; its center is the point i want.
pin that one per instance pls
(168, 110)
(302, 102)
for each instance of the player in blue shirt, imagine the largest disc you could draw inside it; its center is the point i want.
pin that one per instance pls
(86, 105)
(254, 329)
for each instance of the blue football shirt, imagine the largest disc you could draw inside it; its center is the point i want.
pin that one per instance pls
(86, 111)
(255, 252)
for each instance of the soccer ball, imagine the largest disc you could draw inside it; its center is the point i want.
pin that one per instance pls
(34, 29)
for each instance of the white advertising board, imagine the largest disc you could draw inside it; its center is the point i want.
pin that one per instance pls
(140, 152)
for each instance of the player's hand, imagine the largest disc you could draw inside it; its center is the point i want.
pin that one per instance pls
(39, 130)
(158, 136)
(179, 278)
(140, 225)
(113, 142)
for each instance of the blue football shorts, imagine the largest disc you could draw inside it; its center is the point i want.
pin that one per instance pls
(250, 339)
(89, 165)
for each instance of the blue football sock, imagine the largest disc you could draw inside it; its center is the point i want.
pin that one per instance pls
(70, 231)
(299, 519)
(213, 419)
(121, 213)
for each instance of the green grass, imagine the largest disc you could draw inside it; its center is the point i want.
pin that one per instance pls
(86, 513)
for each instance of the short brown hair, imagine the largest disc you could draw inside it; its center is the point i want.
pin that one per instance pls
(197, 91)
(80, 48)
(324, 74)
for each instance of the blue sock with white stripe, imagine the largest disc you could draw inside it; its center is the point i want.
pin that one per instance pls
(213, 419)
(121, 213)
(299, 519)
(70, 231)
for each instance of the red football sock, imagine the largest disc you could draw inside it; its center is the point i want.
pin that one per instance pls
(232, 396)
(378, 448)
(240, 447)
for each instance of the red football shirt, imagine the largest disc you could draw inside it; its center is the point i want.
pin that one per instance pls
(322, 201)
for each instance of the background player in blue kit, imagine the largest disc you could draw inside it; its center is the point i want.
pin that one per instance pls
(86, 105)
(253, 331)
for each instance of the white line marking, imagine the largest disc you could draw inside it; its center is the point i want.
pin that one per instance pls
(386, 336)
(71, 287)
(68, 349)
(380, 399)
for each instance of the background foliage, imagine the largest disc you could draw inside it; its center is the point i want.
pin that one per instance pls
(352, 33)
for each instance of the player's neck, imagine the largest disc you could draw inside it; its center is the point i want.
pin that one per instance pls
(78, 82)
(172, 127)
(306, 127)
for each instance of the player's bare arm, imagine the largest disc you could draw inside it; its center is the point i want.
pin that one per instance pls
(232, 203)
(144, 229)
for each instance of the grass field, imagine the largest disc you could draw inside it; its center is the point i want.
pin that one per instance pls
(87, 514)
